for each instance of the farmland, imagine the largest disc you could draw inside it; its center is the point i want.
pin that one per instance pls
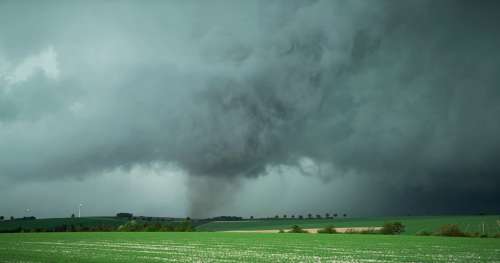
(413, 224)
(238, 247)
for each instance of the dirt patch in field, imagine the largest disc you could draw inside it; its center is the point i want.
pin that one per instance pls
(311, 230)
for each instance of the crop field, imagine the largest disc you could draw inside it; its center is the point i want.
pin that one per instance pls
(413, 224)
(241, 247)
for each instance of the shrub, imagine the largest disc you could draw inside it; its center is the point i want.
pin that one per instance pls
(167, 229)
(184, 227)
(350, 231)
(497, 235)
(451, 230)
(366, 231)
(131, 226)
(327, 230)
(369, 231)
(281, 231)
(423, 233)
(153, 228)
(297, 229)
(394, 228)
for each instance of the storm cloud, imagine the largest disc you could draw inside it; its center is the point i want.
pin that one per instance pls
(403, 95)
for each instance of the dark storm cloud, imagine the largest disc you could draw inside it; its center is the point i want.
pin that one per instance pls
(404, 93)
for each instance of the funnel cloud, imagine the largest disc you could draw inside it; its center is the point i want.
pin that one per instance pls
(401, 97)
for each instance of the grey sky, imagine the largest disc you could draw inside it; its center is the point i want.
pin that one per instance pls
(371, 106)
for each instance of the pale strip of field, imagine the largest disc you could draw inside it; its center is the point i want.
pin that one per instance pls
(311, 230)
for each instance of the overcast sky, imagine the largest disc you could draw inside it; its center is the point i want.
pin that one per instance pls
(204, 108)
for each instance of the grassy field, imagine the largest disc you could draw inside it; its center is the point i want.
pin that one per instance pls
(241, 247)
(413, 224)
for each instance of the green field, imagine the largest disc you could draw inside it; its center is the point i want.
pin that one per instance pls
(413, 223)
(241, 247)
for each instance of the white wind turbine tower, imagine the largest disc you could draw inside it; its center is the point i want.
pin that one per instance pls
(80, 210)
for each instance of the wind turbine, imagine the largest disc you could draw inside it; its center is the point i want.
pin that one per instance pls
(79, 210)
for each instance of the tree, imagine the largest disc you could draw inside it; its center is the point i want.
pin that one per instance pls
(72, 215)
(327, 230)
(284, 216)
(251, 217)
(309, 215)
(11, 218)
(335, 215)
(345, 215)
(327, 215)
(394, 228)
(1, 218)
(125, 215)
(293, 216)
(451, 230)
(276, 216)
(318, 216)
(297, 229)
(185, 226)
(301, 217)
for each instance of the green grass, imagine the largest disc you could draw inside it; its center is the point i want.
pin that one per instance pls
(241, 247)
(413, 223)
